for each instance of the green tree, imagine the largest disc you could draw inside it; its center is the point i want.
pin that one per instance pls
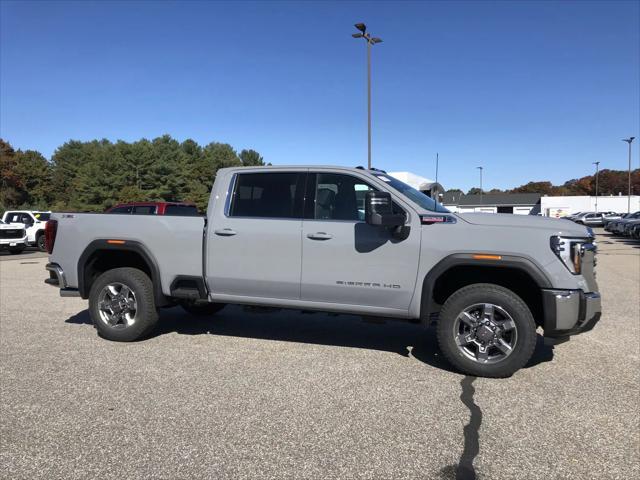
(251, 158)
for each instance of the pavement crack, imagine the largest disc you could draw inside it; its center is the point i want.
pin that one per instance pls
(465, 469)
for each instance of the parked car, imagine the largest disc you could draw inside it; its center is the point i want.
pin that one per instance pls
(594, 219)
(184, 209)
(627, 227)
(34, 223)
(617, 226)
(293, 237)
(12, 238)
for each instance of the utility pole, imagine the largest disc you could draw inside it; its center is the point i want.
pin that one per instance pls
(437, 167)
(629, 140)
(370, 41)
(597, 164)
(480, 168)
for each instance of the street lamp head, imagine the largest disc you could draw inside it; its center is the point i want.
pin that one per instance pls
(376, 40)
(361, 26)
(628, 140)
(357, 35)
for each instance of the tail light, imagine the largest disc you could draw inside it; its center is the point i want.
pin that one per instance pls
(50, 231)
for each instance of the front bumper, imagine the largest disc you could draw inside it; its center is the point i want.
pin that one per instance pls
(57, 279)
(569, 312)
(7, 243)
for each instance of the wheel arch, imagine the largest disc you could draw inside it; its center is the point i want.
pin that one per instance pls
(519, 274)
(101, 255)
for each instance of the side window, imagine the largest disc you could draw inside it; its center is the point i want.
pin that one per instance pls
(26, 219)
(268, 195)
(125, 210)
(144, 210)
(339, 197)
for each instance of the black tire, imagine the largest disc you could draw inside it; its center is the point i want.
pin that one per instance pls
(40, 243)
(202, 309)
(16, 251)
(146, 314)
(512, 304)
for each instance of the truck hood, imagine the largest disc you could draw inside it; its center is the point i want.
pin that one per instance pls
(558, 225)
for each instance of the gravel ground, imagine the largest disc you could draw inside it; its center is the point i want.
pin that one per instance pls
(286, 395)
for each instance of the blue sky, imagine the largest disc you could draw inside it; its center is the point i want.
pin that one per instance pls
(529, 90)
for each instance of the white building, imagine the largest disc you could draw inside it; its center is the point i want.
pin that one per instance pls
(516, 203)
(562, 206)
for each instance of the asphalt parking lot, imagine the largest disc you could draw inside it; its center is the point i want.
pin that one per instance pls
(286, 395)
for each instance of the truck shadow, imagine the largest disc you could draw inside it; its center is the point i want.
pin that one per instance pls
(405, 339)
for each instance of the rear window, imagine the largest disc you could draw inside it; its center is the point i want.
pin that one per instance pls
(125, 210)
(43, 217)
(182, 210)
(144, 210)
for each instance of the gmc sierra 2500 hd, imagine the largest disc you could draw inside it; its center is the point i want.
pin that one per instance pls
(335, 239)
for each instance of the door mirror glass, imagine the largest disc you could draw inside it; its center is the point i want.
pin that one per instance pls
(378, 210)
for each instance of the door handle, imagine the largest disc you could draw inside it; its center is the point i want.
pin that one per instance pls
(319, 236)
(225, 232)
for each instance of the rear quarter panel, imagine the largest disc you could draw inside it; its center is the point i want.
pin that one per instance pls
(175, 243)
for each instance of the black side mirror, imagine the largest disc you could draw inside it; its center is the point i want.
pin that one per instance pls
(378, 210)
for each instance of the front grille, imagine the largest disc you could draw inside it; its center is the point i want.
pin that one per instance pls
(12, 233)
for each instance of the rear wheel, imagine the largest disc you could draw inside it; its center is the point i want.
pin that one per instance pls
(122, 305)
(40, 243)
(486, 330)
(202, 309)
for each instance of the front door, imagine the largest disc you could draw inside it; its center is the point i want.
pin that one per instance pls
(254, 248)
(347, 261)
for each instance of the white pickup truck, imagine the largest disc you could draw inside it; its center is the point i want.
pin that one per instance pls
(33, 222)
(336, 239)
(13, 238)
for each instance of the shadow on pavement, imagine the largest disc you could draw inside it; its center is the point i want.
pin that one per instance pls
(406, 339)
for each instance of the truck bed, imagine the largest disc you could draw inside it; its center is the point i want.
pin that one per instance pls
(175, 240)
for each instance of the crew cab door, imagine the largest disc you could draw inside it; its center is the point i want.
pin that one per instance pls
(254, 239)
(347, 261)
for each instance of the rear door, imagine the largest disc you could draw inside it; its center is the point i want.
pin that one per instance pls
(254, 249)
(347, 261)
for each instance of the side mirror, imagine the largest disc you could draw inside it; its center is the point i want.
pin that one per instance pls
(378, 210)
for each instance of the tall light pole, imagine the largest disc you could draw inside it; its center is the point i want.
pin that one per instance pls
(437, 160)
(597, 164)
(629, 140)
(480, 168)
(370, 41)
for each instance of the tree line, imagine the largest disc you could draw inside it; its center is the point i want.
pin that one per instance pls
(95, 175)
(610, 182)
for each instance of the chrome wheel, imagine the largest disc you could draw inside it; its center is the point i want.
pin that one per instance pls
(117, 306)
(485, 333)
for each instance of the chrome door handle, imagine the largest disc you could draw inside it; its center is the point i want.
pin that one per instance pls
(225, 232)
(319, 236)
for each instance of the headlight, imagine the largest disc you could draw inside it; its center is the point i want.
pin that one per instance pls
(570, 251)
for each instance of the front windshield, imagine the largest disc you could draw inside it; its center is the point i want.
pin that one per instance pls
(412, 194)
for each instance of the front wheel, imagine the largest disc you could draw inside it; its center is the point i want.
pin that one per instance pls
(122, 305)
(486, 330)
(40, 243)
